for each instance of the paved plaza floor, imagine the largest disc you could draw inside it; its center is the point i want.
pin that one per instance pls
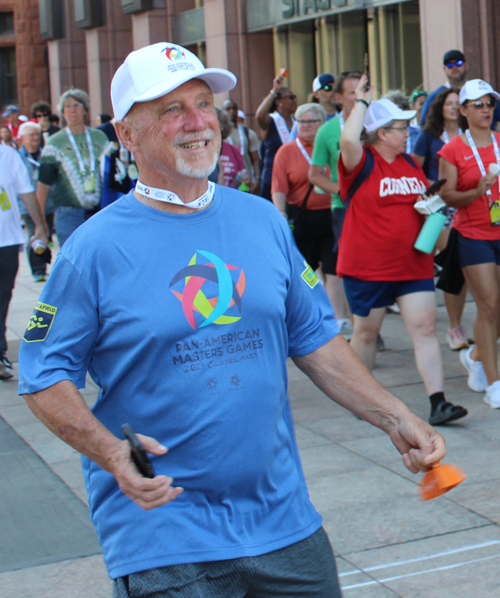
(387, 542)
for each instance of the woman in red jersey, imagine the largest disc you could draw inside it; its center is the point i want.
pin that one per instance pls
(465, 163)
(376, 255)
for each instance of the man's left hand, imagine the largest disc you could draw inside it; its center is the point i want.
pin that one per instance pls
(420, 445)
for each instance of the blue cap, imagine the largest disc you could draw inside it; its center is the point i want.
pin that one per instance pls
(322, 80)
(10, 110)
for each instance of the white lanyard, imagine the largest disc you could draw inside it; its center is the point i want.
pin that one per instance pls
(446, 137)
(478, 157)
(302, 149)
(32, 160)
(281, 126)
(171, 197)
(78, 154)
(341, 120)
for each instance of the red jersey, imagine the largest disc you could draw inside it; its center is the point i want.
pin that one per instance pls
(473, 220)
(381, 225)
(290, 176)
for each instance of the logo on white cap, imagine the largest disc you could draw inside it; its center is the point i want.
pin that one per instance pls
(153, 71)
(174, 53)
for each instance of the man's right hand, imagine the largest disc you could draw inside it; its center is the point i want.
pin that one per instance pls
(146, 492)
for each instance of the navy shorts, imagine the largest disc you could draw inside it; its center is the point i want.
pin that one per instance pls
(364, 295)
(474, 251)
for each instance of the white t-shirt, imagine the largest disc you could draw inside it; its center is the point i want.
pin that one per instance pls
(14, 179)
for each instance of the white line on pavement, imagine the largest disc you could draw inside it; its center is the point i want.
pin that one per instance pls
(422, 558)
(371, 583)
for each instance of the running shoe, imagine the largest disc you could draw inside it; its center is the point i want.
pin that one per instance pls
(393, 309)
(469, 340)
(39, 277)
(477, 378)
(492, 396)
(446, 412)
(456, 339)
(346, 330)
(5, 367)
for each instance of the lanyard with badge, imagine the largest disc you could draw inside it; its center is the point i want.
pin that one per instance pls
(317, 189)
(87, 177)
(494, 205)
(4, 198)
(171, 197)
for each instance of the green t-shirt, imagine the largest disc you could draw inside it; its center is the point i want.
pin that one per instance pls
(59, 167)
(327, 151)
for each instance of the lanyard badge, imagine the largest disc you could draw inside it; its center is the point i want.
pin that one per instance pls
(494, 206)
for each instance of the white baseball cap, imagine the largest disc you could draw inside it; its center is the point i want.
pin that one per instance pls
(475, 89)
(382, 112)
(153, 71)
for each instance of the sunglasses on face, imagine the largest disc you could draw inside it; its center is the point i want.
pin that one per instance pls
(328, 87)
(308, 122)
(290, 97)
(478, 104)
(42, 115)
(450, 65)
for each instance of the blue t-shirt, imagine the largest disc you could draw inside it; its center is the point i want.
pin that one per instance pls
(428, 146)
(185, 322)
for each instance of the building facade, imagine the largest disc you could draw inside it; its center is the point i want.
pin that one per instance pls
(86, 40)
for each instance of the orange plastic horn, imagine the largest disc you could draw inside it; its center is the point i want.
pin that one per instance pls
(284, 72)
(439, 480)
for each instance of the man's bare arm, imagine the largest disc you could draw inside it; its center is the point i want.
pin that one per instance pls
(339, 373)
(63, 410)
(317, 177)
(31, 203)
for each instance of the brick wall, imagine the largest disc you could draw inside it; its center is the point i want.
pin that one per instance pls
(31, 53)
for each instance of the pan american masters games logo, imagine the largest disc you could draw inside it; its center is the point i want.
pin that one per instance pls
(210, 290)
(174, 53)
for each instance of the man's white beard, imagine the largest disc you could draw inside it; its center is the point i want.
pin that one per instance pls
(195, 172)
(198, 172)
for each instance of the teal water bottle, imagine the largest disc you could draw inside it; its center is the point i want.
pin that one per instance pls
(427, 239)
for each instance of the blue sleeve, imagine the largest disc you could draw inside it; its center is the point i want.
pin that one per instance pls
(310, 318)
(59, 339)
(421, 144)
(293, 132)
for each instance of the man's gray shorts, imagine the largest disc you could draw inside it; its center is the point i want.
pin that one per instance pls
(303, 570)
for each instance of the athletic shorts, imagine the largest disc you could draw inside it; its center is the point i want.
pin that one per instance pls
(305, 569)
(472, 252)
(317, 245)
(364, 295)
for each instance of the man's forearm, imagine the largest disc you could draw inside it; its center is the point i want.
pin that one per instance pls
(339, 373)
(31, 203)
(63, 410)
(322, 181)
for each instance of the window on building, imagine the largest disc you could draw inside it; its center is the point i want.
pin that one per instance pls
(7, 23)
(8, 76)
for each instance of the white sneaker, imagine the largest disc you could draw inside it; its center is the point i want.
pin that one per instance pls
(477, 378)
(347, 330)
(492, 396)
(456, 339)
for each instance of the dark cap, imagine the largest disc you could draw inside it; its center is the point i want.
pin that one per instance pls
(453, 55)
(322, 80)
